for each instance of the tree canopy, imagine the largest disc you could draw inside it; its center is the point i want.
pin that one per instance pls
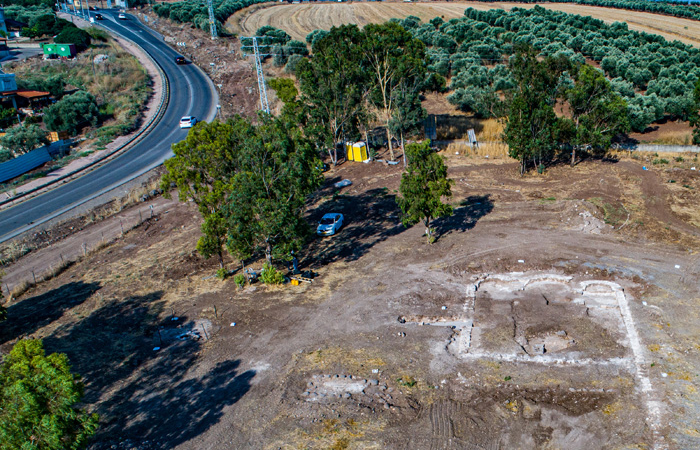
(23, 139)
(393, 58)
(334, 87)
(597, 113)
(201, 170)
(38, 394)
(423, 186)
(250, 183)
(531, 130)
(278, 169)
(72, 112)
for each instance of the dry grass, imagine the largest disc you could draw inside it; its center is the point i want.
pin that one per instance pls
(132, 198)
(674, 138)
(492, 129)
(300, 20)
(120, 84)
(21, 288)
(57, 270)
(495, 150)
(13, 252)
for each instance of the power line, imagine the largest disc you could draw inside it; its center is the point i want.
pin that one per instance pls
(264, 104)
(212, 19)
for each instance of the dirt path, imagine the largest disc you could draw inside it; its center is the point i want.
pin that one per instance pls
(38, 263)
(299, 20)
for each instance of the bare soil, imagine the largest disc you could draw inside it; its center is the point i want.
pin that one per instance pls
(331, 365)
(174, 358)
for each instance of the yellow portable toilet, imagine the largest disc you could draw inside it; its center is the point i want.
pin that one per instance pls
(356, 151)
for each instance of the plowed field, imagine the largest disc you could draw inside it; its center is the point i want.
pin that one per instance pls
(300, 19)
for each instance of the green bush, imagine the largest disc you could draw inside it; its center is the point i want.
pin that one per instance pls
(270, 275)
(52, 84)
(239, 279)
(222, 273)
(23, 139)
(72, 35)
(5, 155)
(40, 397)
(98, 34)
(72, 113)
(658, 161)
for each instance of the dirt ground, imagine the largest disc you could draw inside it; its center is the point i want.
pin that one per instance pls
(553, 311)
(523, 343)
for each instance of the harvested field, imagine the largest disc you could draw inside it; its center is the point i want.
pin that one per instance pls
(299, 20)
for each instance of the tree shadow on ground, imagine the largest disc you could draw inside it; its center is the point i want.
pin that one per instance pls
(465, 216)
(110, 343)
(146, 396)
(33, 313)
(164, 408)
(369, 218)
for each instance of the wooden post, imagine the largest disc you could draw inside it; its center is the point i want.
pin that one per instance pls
(122, 227)
(34, 276)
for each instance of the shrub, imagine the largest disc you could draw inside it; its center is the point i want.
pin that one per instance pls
(660, 161)
(72, 113)
(292, 63)
(39, 395)
(23, 139)
(73, 35)
(270, 275)
(5, 155)
(98, 34)
(222, 273)
(239, 279)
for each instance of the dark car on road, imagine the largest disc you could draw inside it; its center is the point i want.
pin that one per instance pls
(180, 60)
(98, 16)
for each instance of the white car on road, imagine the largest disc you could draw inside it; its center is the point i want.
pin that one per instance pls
(329, 224)
(187, 122)
(122, 16)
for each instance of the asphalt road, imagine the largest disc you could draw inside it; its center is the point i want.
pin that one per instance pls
(191, 94)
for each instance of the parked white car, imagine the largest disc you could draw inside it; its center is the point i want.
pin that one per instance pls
(187, 122)
(122, 16)
(329, 224)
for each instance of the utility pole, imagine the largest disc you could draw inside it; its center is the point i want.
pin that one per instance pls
(264, 105)
(212, 19)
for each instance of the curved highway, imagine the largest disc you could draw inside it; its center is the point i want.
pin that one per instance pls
(191, 94)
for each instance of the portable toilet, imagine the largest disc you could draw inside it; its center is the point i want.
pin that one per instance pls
(356, 151)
